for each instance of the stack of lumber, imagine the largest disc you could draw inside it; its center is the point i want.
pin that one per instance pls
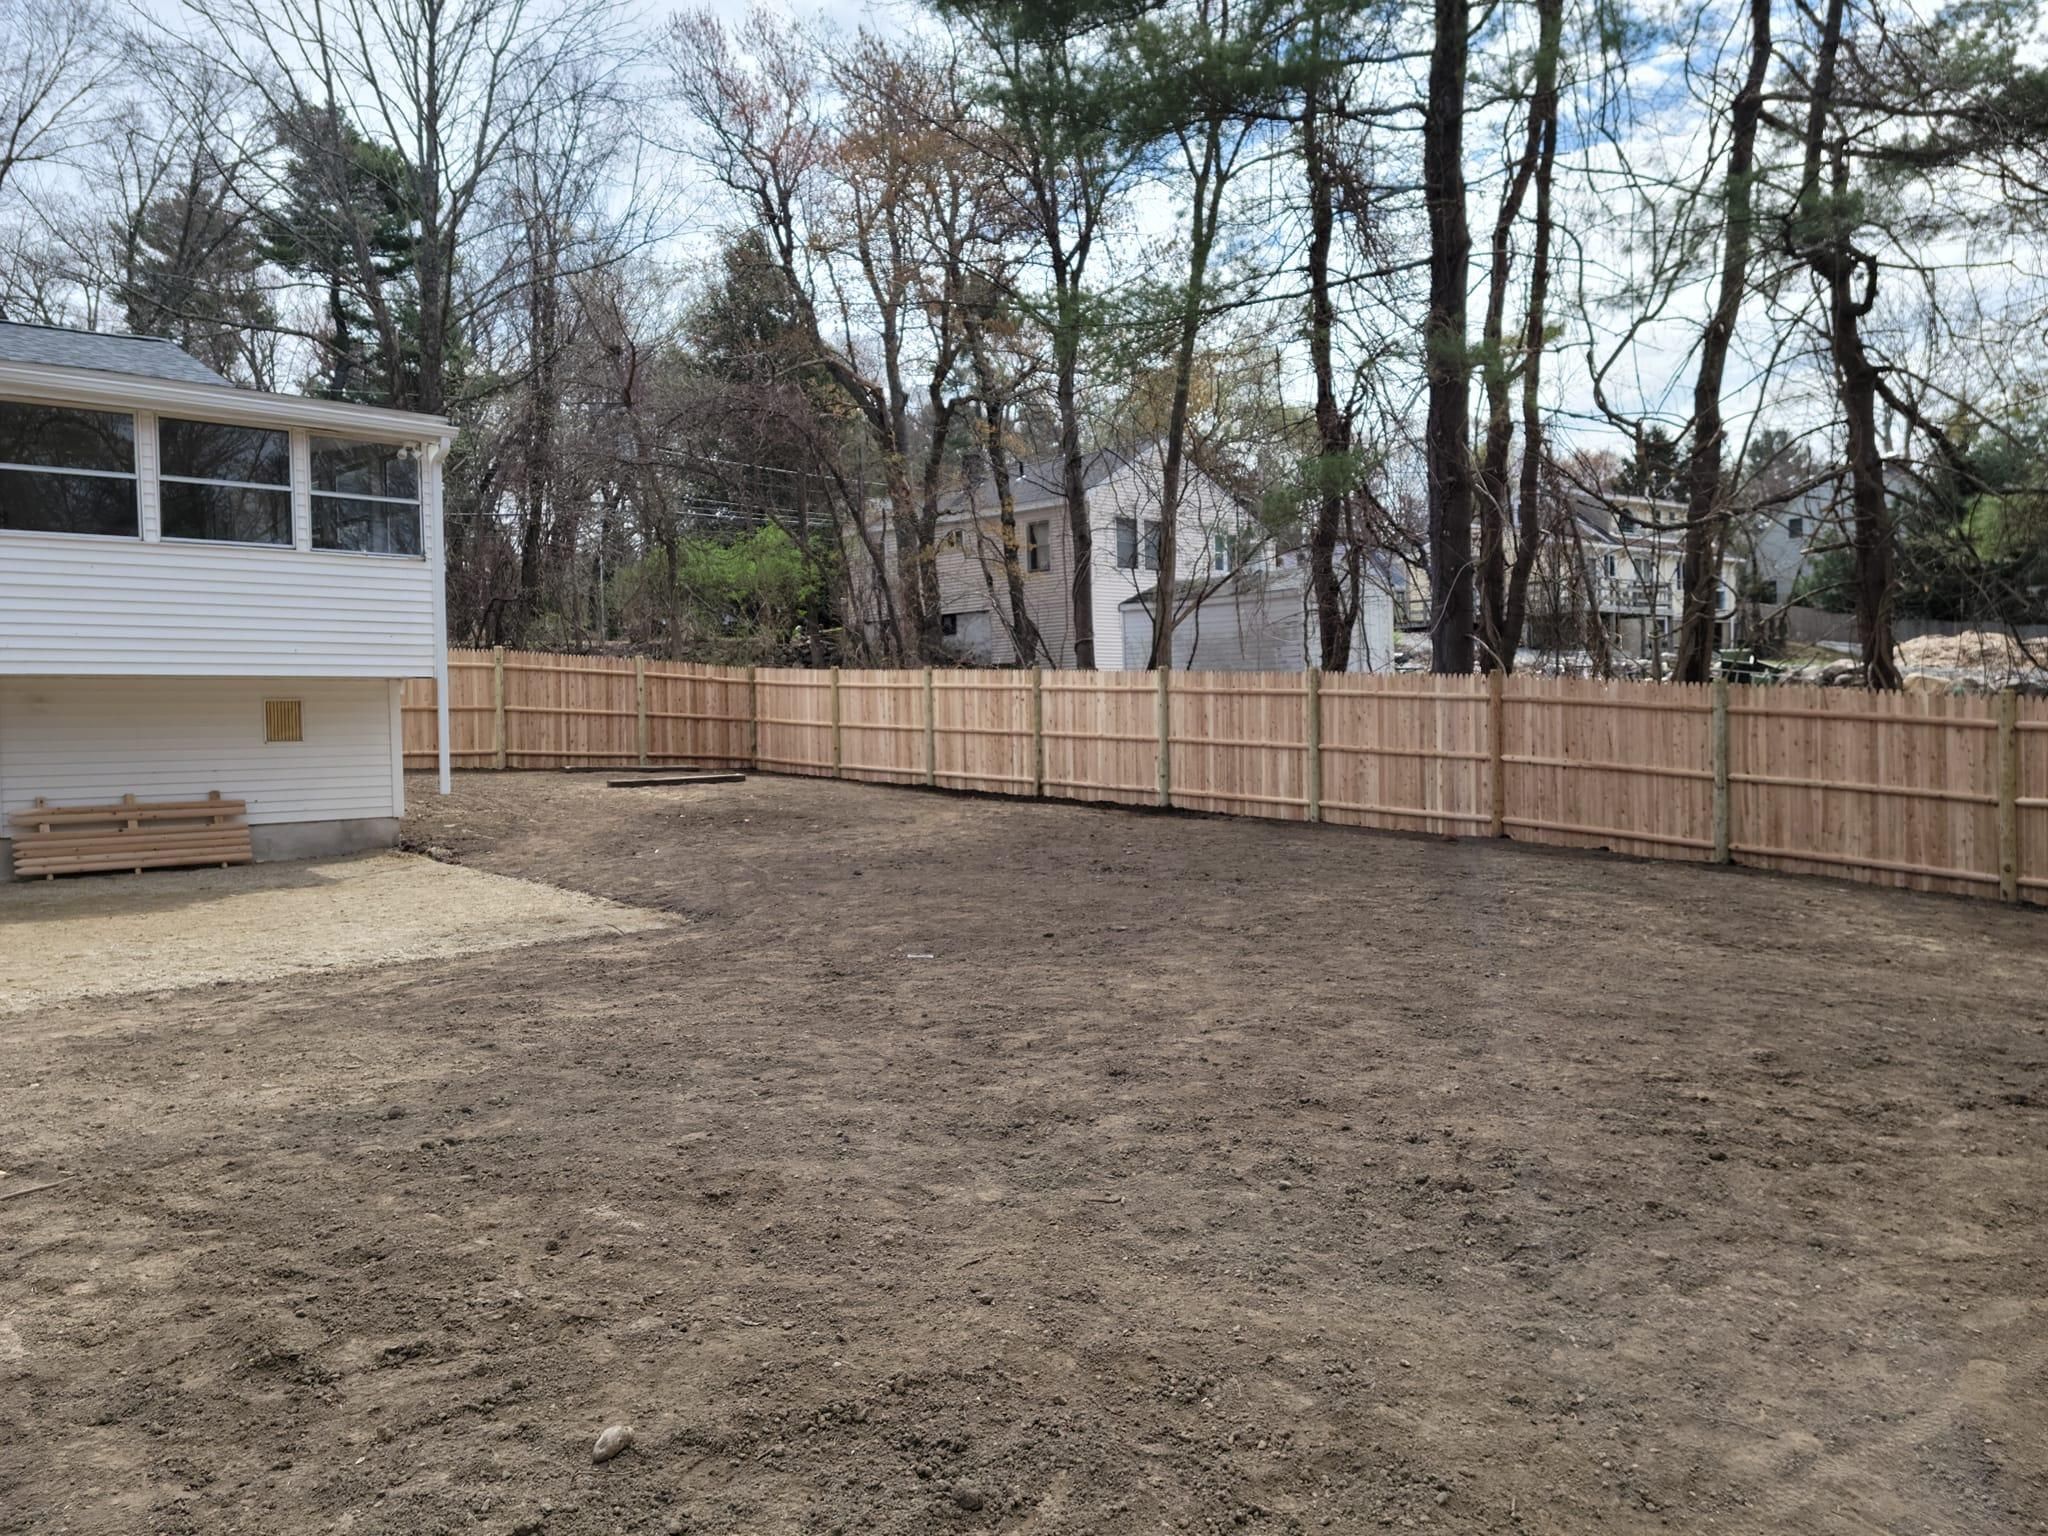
(52, 840)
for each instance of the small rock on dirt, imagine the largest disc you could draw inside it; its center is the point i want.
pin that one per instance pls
(967, 1496)
(615, 1439)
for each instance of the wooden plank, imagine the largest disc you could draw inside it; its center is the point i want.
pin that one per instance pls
(2008, 796)
(500, 741)
(1312, 728)
(675, 779)
(1496, 751)
(1165, 717)
(1719, 754)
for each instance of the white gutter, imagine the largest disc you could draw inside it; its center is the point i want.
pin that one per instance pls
(45, 383)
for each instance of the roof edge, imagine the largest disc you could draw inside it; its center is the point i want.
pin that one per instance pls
(96, 387)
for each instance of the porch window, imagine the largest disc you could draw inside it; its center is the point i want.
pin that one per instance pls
(366, 497)
(227, 483)
(1038, 546)
(67, 471)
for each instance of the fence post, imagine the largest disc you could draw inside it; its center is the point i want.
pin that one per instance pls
(1719, 751)
(835, 723)
(931, 735)
(1037, 733)
(1165, 739)
(498, 707)
(1312, 712)
(640, 708)
(2009, 795)
(1497, 751)
(753, 720)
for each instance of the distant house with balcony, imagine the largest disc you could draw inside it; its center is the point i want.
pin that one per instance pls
(1620, 561)
(210, 589)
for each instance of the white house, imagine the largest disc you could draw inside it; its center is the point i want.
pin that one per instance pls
(205, 588)
(1620, 557)
(1262, 618)
(1123, 516)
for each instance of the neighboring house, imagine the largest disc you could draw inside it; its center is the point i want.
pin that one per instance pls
(1123, 515)
(1774, 544)
(177, 556)
(1632, 577)
(1262, 618)
(1635, 573)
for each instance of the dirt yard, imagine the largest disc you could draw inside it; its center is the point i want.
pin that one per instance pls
(955, 1165)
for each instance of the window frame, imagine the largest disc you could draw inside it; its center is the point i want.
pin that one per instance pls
(1126, 529)
(291, 514)
(1038, 547)
(418, 500)
(133, 474)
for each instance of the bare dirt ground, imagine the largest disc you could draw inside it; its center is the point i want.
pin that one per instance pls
(1207, 1176)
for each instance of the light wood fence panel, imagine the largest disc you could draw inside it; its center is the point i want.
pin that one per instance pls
(981, 732)
(1406, 753)
(2032, 801)
(1935, 792)
(416, 719)
(1610, 765)
(1897, 788)
(569, 711)
(1240, 743)
(881, 726)
(471, 714)
(699, 715)
(1102, 737)
(794, 720)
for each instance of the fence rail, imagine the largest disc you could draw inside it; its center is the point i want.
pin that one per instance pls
(1933, 792)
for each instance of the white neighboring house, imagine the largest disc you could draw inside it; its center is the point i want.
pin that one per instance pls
(175, 555)
(1262, 618)
(1123, 517)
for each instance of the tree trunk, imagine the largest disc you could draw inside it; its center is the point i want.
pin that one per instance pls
(1024, 639)
(1822, 239)
(1333, 430)
(1701, 563)
(1447, 452)
(1073, 474)
(1206, 208)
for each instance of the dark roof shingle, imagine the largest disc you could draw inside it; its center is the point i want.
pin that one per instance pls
(147, 357)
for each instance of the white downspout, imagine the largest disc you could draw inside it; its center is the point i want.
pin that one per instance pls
(436, 452)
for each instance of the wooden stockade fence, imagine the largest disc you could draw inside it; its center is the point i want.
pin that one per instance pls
(1931, 791)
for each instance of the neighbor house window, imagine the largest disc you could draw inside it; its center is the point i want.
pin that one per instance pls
(1796, 527)
(1126, 544)
(366, 497)
(229, 483)
(1148, 546)
(1222, 554)
(949, 625)
(67, 471)
(1038, 546)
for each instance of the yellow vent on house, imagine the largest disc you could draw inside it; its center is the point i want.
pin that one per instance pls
(283, 720)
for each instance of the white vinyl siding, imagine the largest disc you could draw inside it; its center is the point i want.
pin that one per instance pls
(84, 606)
(90, 740)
